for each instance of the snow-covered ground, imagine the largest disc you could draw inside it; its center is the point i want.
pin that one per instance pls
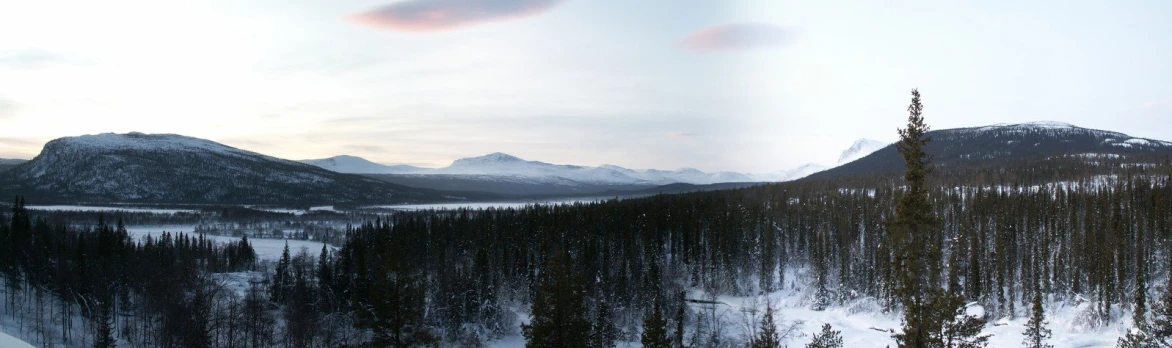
(863, 324)
(480, 205)
(88, 208)
(266, 249)
(7, 341)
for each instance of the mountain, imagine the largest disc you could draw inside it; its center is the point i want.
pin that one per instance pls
(137, 167)
(359, 165)
(796, 173)
(859, 149)
(1001, 146)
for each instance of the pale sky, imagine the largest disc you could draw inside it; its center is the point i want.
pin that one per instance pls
(753, 86)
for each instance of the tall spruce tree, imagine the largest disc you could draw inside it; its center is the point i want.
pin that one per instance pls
(767, 336)
(933, 317)
(655, 330)
(1036, 332)
(914, 222)
(559, 309)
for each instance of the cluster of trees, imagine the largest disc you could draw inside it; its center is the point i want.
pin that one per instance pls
(81, 286)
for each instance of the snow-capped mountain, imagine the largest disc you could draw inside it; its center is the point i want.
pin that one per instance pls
(795, 173)
(860, 149)
(359, 165)
(1001, 143)
(502, 166)
(175, 168)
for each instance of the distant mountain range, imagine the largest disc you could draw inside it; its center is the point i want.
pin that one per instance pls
(507, 174)
(503, 173)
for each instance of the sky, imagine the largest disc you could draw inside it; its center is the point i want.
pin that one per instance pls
(751, 86)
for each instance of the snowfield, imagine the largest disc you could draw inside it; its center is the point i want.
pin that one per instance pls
(864, 325)
(7, 341)
(266, 249)
(87, 208)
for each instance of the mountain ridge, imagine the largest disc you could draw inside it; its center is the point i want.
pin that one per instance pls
(137, 167)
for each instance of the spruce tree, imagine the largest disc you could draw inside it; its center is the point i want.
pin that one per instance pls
(559, 309)
(655, 330)
(603, 333)
(828, 338)
(1036, 332)
(914, 222)
(767, 336)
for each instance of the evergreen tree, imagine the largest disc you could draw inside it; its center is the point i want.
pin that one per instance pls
(105, 338)
(828, 338)
(655, 330)
(914, 223)
(1036, 332)
(559, 309)
(681, 317)
(603, 332)
(281, 278)
(767, 335)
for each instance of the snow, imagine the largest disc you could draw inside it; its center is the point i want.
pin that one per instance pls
(7, 341)
(860, 149)
(479, 205)
(359, 165)
(87, 208)
(266, 249)
(150, 142)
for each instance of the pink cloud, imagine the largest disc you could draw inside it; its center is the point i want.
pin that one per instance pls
(737, 36)
(438, 15)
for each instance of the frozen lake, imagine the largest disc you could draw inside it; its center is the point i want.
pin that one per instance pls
(89, 208)
(483, 205)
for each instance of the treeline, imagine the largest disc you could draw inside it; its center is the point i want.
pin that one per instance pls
(69, 286)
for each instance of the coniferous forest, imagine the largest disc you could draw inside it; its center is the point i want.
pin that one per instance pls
(632, 270)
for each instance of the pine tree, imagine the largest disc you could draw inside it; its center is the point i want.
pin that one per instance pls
(1036, 332)
(655, 330)
(281, 278)
(603, 333)
(828, 338)
(105, 323)
(767, 337)
(559, 309)
(681, 316)
(913, 224)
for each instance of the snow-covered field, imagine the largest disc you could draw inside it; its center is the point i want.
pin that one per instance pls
(480, 205)
(7, 341)
(88, 208)
(266, 249)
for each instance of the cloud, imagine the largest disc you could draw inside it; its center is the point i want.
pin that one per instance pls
(438, 15)
(31, 59)
(7, 108)
(1157, 103)
(738, 36)
(682, 134)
